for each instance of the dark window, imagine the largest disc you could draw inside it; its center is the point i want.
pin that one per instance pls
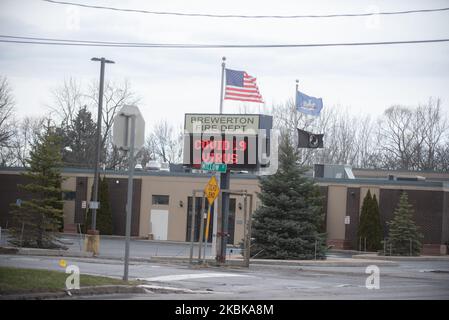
(160, 199)
(68, 195)
(198, 206)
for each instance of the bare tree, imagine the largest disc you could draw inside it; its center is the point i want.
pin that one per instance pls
(68, 99)
(25, 135)
(148, 152)
(167, 142)
(6, 112)
(115, 96)
(413, 138)
(397, 137)
(431, 126)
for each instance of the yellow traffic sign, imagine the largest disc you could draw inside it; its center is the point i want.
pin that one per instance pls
(211, 190)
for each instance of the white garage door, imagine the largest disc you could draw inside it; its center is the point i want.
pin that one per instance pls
(159, 224)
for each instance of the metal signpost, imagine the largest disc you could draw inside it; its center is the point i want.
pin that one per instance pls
(128, 135)
(211, 192)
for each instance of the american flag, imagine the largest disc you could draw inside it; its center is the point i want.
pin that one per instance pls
(241, 86)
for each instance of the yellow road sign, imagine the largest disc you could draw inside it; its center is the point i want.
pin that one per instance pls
(211, 190)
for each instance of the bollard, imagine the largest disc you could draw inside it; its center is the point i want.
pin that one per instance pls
(92, 242)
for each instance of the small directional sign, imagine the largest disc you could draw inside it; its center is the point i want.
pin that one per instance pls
(211, 166)
(212, 190)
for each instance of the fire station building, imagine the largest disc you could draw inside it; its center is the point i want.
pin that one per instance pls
(162, 201)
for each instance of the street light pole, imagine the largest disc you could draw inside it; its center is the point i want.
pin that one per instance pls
(98, 139)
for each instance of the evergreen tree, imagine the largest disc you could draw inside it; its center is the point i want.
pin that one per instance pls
(79, 140)
(104, 214)
(403, 234)
(370, 227)
(288, 223)
(36, 221)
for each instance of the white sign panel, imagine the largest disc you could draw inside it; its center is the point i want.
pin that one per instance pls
(221, 123)
(94, 205)
(347, 219)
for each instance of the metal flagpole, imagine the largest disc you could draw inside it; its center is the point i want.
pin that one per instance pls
(296, 140)
(217, 175)
(223, 65)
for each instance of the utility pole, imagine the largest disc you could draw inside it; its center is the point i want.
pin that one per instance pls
(98, 139)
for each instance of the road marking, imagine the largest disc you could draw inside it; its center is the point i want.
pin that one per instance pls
(178, 277)
(344, 285)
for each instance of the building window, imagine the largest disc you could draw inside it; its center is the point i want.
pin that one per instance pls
(68, 195)
(160, 199)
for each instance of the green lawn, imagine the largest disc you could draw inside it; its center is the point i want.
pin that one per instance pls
(17, 280)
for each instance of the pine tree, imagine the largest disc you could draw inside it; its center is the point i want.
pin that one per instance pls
(36, 221)
(104, 214)
(403, 235)
(370, 227)
(79, 140)
(288, 223)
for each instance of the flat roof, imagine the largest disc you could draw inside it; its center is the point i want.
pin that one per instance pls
(380, 181)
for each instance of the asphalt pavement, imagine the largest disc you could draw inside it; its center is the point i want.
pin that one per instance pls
(408, 280)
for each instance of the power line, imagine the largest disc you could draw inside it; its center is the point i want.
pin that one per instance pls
(86, 43)
(247, 16)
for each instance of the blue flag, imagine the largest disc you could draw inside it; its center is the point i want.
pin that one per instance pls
(308, 105)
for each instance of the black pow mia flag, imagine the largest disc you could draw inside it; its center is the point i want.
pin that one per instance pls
(309, 140)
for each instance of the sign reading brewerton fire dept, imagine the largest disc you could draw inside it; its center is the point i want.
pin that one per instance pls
(222, 122)
(233, 139)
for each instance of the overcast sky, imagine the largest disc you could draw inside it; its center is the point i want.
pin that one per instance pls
(172, 82)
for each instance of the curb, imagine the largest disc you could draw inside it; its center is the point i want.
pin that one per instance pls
(322, 263)
(79, 292)
(52, 252)
(400, 258)
(101, 290)
(142, 239)
(134, 238)
(266, 262)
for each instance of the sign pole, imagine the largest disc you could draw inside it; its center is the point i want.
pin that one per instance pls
(130, 193)
(206, 235)
(201, 233)
(192, 227)
(216, 248)
(224, 185)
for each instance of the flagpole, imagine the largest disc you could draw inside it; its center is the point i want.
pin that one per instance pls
(217, 175)
(223, 65)
(296, 114)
